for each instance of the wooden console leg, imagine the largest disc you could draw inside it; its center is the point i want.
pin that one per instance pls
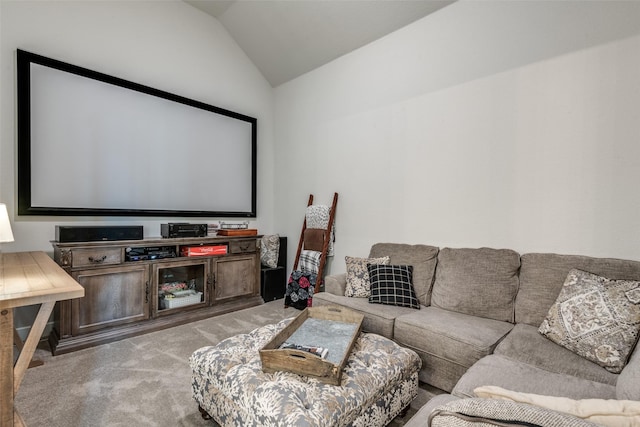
(205, 415)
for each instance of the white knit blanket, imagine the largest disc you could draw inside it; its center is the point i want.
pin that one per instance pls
(317, 216)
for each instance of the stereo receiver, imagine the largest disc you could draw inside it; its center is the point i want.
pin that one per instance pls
(183, 229)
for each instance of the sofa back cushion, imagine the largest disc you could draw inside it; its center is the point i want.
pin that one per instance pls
(480, 282)
(423, 258)
(542, 276)
(628, 385)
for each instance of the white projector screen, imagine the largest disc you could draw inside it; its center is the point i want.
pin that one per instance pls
(92, 144)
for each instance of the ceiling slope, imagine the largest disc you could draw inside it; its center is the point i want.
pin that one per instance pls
(286, 38)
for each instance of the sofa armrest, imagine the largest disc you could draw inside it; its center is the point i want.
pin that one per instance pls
(470, 412)
(420, 418)
(336, 284)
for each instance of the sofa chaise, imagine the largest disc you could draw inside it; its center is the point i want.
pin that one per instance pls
(479, 324)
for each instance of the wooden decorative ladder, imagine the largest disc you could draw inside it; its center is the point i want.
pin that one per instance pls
(325, 246)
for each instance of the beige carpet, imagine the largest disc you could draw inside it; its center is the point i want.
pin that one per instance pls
(139, 381)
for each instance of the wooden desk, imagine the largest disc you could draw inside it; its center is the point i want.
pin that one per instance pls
(26, 278)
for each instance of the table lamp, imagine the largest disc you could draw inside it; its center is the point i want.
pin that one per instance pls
(5, 226)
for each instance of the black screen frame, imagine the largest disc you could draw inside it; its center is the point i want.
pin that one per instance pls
(24, 60)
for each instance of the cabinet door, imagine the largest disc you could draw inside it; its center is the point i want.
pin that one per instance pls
(235, 276)
(180, 285)
(112, 296)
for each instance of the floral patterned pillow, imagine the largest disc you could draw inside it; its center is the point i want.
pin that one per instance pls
(270, 250)
(358, 284)
(299, 292)
(596, 317)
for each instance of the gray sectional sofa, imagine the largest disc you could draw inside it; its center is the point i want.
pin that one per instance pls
(480, 310)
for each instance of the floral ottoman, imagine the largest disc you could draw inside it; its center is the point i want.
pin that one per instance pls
(379, 381)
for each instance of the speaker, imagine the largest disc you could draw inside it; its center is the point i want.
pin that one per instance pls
(273, 283)
(88, 233)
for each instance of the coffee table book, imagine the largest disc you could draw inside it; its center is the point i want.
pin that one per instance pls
(314, 325)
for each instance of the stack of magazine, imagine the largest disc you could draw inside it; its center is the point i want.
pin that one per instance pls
(318, 351)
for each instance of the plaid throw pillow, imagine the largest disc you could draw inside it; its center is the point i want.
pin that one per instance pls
(392, 285)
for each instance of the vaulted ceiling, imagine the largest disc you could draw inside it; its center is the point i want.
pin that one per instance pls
(287, 38)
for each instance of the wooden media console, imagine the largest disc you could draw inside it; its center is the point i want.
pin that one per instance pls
(138, 286)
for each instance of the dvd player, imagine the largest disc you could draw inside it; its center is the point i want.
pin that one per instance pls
(149, 253)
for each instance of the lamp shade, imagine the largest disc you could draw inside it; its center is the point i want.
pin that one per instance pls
(5, 227)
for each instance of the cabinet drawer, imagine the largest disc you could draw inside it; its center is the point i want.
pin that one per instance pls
(98, 256)
(242, 247)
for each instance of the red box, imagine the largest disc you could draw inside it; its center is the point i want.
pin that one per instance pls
(203, 250)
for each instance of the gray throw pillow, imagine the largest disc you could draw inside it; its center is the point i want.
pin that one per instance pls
(596, 318)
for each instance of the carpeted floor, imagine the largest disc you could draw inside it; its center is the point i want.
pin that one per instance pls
(139, 381)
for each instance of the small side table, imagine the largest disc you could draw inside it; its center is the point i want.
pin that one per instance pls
(26, 278)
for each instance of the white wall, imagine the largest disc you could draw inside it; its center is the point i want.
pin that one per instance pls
(168, 45)
(500, 124)
(504, 124)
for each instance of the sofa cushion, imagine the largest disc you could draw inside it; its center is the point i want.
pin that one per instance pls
(525, 344)
(392, 285)
(439, 372)
(423, 258)
(607, 412)
(336, 284)
(542, 276)
(378, 319)
(358, 282)
(510, 374)
(461, 338)
(628, 385)
(479, 282)
(596, 317)
(448, 342)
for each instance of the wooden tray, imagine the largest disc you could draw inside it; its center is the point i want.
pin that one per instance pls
(328, 370)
